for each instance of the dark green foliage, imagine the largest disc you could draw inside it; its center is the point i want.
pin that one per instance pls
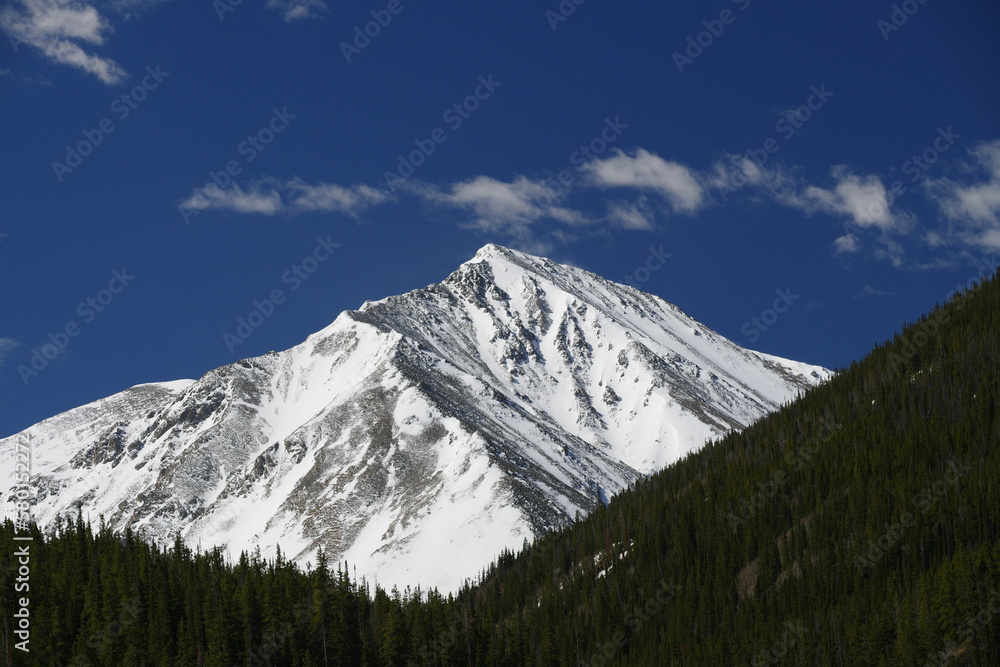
(858, 526)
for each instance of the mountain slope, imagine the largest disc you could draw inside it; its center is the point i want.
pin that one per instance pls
(418, 436)
(866, 532)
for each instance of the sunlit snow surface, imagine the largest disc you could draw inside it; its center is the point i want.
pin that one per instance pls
(417, 436)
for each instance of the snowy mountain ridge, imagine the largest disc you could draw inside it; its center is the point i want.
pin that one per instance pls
(420, 435)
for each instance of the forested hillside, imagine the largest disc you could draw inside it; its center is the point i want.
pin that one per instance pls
(858, 526)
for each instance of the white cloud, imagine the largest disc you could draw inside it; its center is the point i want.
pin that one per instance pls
(61, 29)
(648, 171)
(499, 206)
(631, 215)
(990, 239)
(56, 27)
(862, 199)
(973, 209)
(270, 197)
(333, 198)
(233, 199)
(869, 214)
(731, 172)
(848, 243)
(934, 239)
(298, 10)
(505, 208)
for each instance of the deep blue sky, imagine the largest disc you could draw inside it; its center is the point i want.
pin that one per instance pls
(142, 199)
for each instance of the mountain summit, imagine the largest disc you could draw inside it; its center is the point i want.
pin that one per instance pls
(420, 435)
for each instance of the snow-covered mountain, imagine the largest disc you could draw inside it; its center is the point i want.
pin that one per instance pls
(420, 435)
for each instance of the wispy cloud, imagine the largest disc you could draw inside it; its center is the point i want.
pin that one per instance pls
(868, 290)
(631, 215)
(871, 216)
(648, 171)
(972, 208)
(6, 73)
(271, 197)
(506, 207)
(333, 198)
(298, 10)
(57, 28)
(730, 172)
(861, 201)
(509, 209)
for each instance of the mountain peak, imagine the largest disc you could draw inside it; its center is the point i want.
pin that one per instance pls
(491, 252)
(426, 430)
